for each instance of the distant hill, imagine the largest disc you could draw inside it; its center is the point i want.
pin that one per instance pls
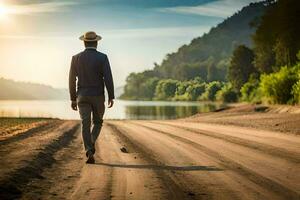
(13, 90)
(208, 56)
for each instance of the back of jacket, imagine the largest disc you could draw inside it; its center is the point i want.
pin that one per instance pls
(91, 70)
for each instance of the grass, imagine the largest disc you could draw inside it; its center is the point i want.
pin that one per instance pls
(7, 122)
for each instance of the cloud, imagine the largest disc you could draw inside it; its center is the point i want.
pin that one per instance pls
(220, 8)
(139, 33)
(48, 7)
(157, 32)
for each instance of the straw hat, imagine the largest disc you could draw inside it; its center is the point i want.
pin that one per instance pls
(90, 36)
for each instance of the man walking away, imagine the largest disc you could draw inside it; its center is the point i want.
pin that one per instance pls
(91, 70)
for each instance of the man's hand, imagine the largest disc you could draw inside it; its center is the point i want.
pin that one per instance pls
(74, 105)
(110, 103)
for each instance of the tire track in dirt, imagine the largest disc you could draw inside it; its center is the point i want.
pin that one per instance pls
(59, 180)
(173, 189)
(265, 148)
(31, 132)
(207, 184)
(265, 182)
(15, 154)
(94, 181)
(161, 161)
(184, 178)
(134, 176)
(11, 185)
(119, 175)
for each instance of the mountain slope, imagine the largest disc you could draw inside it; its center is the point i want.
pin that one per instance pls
(22, 90)
(207, 56)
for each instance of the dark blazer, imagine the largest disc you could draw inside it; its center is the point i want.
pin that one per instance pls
(92, 71)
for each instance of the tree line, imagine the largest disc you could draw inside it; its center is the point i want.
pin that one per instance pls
(267, 71)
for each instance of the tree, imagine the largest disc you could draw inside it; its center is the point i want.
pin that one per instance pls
(181, 87)
(165, 89)
(210, 90)
(277, 41)
(195, 91)
(241, 66)
(296, 92)
(206, 56)
(227, 94)
(277, 87)
(148, 88)
(250, 92)
(133, 86)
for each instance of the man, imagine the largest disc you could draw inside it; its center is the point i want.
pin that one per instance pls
(92, 71)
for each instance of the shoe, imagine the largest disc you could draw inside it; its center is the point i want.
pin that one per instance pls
(91, 159)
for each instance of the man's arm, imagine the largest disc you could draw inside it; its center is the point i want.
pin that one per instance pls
(72, 83)
(108, 79)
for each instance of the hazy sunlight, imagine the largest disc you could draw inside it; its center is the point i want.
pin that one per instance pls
(150, 99)
(3, 11)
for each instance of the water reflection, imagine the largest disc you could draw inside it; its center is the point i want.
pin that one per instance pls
(167, 112)
(121, 110)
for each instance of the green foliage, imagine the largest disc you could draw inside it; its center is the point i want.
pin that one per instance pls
(241, 66)
(296, 87)
(195, 91)
(149, 87)
(210, 91)
(189, 90)
(206, 56)
(227, 94)
(132, 89)
(277, 87)
(140, 86)
(276, 44)
(296, 92)
(277, 38)
(165, 89)
(181, 88)
(250, 91)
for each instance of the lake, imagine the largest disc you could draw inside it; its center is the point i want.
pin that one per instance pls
(122, 109)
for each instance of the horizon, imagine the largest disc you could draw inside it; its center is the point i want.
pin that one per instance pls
(135, 34)
(204, 101)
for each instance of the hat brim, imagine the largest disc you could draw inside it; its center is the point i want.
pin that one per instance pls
(90, 40)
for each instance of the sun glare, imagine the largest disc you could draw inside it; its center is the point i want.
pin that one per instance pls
(3, 11)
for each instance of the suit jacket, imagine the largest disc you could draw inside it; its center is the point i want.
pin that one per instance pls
(91, 70)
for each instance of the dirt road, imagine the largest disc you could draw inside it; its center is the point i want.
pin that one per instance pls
(158, 160)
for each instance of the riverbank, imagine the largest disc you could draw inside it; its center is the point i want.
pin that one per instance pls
(231, 154)
(282, 118)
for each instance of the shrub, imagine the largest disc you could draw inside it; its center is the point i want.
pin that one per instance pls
(210, 91)
(298, 55)
(195, 91)
(148, 88)
(250, 91)
(227, 94)
(165, 89)
(277, 87)
(296, 87)
(296, 92)
(181, 88)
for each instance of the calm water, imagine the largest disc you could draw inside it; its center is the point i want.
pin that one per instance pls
(121, 110)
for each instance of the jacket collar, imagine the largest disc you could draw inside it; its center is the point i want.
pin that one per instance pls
(90, 48)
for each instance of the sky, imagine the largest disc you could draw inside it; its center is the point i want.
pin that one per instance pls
(39, 37)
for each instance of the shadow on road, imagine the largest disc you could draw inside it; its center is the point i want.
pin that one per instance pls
(162, 167)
